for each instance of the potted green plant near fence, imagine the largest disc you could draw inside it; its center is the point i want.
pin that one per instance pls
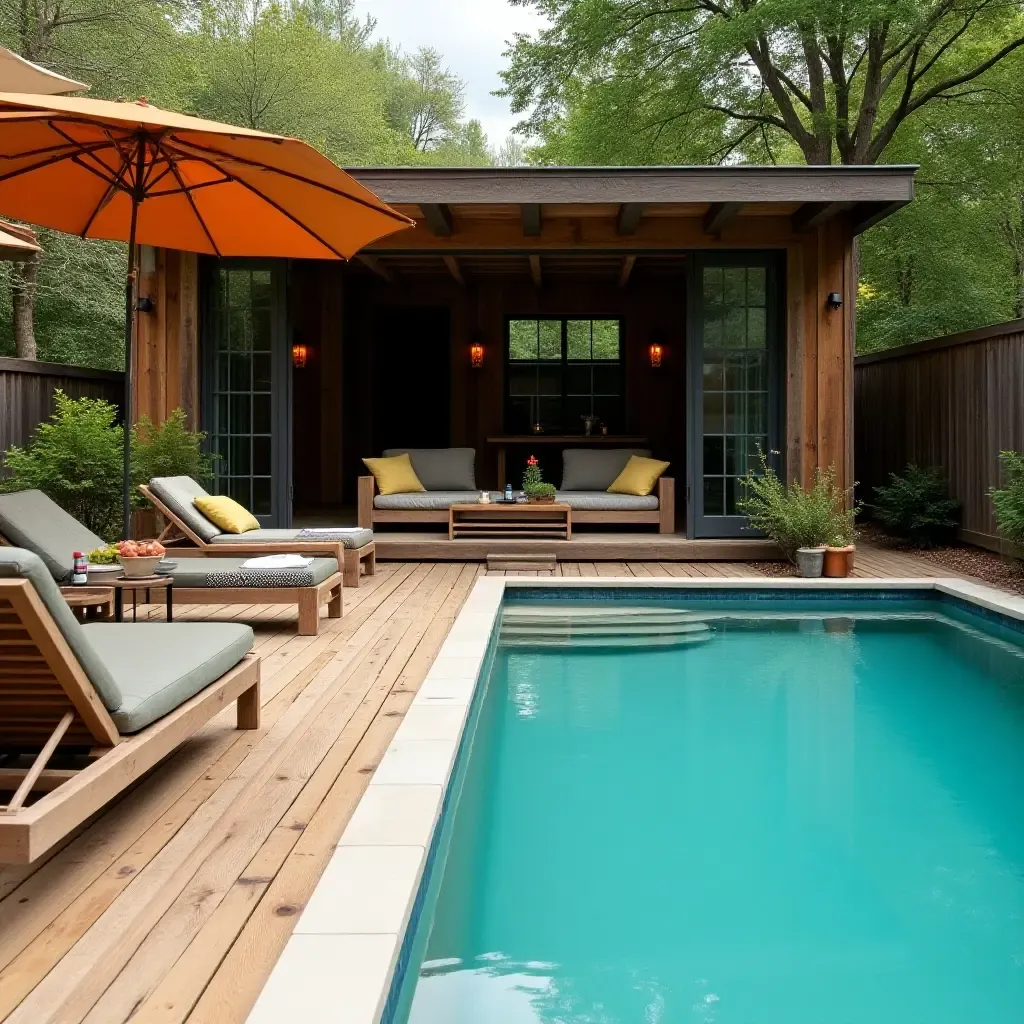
(804, 522)
(534, 487)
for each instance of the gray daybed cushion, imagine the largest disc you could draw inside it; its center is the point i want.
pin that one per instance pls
(424, 500)
(140, 671)
(349, 537)
(441, 469)
(196, 572)
(29, 519)
(178, 493)
(595, 469)
(157, 666)
(602, 501)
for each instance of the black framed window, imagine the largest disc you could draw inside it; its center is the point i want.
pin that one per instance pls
(562, 369)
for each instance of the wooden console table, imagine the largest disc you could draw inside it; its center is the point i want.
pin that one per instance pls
(530, 521)
(563, 440)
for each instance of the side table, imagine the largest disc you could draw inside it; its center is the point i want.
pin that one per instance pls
(135, 584)
(89, 603)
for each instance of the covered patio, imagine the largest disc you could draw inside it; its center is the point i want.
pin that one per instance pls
(721, 300)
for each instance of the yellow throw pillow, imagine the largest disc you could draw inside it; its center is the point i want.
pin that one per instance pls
(227, 514)
(395, 475)
(639, 476)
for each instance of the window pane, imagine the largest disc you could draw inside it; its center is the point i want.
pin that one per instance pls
(712, 286)
(522, 380)
(241, 421)
(756, 286)
(579, 380)
(714, 376)
(578, 339)
(735, 291)
(606, 339)
(714, 496)
(550, 339)
(713, 455)
(757, 328)
(522, 339)
(261, 496)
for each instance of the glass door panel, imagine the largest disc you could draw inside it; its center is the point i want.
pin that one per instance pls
(246, 388)
(734, 385)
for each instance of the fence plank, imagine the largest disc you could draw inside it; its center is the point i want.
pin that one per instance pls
(26, 394)
(953, 403)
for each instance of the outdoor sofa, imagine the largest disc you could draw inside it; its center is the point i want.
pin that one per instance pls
(189, 531)
(85, 710)
(448, 474)
(29, 519)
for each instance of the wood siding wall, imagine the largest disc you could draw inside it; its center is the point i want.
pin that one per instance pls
(167, 350)
(954, 403)
(26, 394)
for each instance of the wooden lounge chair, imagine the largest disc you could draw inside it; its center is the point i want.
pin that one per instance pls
(189, 530)
(29, 519)
(86, 710)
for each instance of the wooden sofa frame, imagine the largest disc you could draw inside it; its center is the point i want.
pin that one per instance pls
(664, 516)
(179, 535)
(307, 599)
(48, 707)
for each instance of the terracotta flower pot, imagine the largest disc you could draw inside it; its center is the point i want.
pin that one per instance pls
(838, 562)
(541, 499)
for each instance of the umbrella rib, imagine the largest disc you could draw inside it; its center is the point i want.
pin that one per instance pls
(69, 155)
(191, 201)
(280, 209)
(383, 208)
(106, 197)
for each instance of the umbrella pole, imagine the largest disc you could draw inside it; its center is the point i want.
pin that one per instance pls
(129, 337)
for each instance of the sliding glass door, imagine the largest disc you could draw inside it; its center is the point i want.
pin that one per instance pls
(735, 375)
(247, 385)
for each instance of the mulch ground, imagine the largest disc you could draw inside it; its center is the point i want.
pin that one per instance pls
(960, 559)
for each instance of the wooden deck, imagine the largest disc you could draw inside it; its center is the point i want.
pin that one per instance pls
(175, 902)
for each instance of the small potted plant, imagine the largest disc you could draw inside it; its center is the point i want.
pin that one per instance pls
(803, 522)
(139, 557)
(838, 561)
(534, 487)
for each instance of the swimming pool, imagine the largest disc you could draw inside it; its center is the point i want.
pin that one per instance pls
(811, 814)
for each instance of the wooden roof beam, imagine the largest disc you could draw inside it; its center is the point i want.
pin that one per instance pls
(628, 262)
(454, 269)
(438, 217)
(629, 218)
(867, 215)
(530, 215)
(813, 215)
(719, 216)
(535, 272)
(375, 264)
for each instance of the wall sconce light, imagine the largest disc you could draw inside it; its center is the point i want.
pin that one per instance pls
(145, 304)
(300, 356)
(476, 355)
(834, 300)
(655, 352)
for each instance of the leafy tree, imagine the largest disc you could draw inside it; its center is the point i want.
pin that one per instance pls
(824, 80)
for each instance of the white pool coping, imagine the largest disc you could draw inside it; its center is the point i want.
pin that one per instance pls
(338, 963)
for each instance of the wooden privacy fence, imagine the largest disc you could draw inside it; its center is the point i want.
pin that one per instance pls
(26, 394)
(953, 403)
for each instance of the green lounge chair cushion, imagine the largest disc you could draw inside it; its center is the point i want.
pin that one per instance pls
(178, 493)
(29, 519)
(350, 537)
(196, 572)
(157, 666)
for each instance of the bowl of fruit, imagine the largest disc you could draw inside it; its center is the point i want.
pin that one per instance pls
(139, 557)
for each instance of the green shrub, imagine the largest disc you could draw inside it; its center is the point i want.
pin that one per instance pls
(1008, 501)
(794, 517)
(916, 507)
(76, 458)
(533, 481)
(171, 449)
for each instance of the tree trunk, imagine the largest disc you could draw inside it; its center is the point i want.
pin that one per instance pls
(24, 277)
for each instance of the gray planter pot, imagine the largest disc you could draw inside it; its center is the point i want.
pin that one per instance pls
(809, 562)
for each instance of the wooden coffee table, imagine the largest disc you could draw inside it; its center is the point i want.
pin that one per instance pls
(89, 603)
(501, 520)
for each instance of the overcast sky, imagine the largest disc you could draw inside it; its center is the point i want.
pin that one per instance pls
(471, 36)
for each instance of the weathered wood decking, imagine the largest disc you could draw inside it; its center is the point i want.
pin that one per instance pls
(174, 904)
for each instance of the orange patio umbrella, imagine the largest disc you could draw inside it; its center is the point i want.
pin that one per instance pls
(16, 242)
(133, 172)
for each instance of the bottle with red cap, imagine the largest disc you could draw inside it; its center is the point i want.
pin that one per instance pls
(79, 570)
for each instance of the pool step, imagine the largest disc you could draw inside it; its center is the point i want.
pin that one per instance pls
(600, 626)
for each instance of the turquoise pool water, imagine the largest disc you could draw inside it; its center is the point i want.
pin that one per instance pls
(801, 821)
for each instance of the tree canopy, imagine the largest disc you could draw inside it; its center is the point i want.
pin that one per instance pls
(308, 68)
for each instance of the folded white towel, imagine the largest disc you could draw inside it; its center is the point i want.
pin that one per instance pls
(277, 562)
(331, 529)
